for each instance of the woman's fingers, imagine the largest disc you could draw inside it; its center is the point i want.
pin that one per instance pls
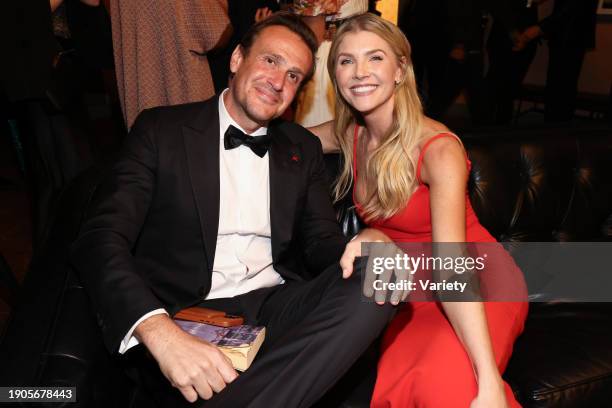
(352, 251)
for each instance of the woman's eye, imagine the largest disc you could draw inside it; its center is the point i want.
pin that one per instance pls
(377, 58)
(345, 61)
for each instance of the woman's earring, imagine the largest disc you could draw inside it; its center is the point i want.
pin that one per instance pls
(397, 82)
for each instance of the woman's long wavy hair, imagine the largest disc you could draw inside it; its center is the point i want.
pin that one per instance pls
(391, 166)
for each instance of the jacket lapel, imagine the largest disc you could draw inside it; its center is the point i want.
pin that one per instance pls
(285, 162)
(201, 138)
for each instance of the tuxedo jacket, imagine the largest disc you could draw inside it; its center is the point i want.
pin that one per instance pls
(148, 240)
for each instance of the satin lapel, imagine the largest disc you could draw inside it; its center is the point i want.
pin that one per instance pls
(285, 163)
(202, 151)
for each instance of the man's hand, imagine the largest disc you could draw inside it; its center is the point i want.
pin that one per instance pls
(524, 38)
(457, 53)
(262, 14)
(193, 366)
(353, 248)
(329, 6)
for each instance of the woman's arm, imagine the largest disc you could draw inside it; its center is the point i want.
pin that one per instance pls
(445, 171)
(325, 132)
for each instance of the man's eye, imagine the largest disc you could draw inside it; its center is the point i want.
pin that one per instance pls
(270, 60)
(293, 77)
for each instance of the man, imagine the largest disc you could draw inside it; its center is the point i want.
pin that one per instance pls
(189, 216)
(508, 64)
(570, 31)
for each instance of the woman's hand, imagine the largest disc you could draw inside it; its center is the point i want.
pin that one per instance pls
(353, 248)
(390, 251)
(491, 397)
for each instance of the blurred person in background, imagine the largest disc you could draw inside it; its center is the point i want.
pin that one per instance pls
(315, 103)
(570, 31)
(51, 59)
(161, 51)
(448, 40)
(508, 64)
(447, 48)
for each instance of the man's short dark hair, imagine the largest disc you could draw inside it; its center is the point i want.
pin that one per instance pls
(294, 24)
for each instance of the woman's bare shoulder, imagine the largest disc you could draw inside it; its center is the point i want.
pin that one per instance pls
(432, 128)
(442, 146)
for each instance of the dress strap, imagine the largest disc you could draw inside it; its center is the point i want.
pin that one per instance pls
(426, 145)
(355, 137)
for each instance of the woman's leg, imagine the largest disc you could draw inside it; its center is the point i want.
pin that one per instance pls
(423, 363)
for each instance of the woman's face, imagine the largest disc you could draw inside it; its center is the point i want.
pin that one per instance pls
(367, 71)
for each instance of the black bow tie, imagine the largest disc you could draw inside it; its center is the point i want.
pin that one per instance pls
(235, 137)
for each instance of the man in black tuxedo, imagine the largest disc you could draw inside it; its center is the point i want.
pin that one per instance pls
(215, 204)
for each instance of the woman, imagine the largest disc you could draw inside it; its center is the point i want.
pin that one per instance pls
(409, 176)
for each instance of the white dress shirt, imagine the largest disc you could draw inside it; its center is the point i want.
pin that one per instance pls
(243, 255)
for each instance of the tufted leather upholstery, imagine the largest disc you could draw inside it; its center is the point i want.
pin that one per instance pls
(542, 187)
(538, 185)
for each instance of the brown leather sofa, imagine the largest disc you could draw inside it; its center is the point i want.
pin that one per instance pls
(525, 185)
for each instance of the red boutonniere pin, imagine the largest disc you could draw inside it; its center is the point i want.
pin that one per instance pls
(295, 158)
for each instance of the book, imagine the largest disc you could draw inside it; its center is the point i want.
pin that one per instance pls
(239, 343)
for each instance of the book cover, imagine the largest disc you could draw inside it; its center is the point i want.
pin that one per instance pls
(239, 343)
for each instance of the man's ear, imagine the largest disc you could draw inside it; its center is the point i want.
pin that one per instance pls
(236, 59)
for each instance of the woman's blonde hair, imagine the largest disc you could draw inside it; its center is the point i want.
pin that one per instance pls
(391, 165)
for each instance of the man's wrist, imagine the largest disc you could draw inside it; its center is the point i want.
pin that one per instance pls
(130, 340)
(155, 332)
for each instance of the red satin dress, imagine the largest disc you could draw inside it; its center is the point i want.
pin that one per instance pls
(423, 363)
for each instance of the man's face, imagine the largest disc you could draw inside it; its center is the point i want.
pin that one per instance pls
(268, 77)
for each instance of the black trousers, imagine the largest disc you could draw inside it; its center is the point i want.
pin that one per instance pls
(315, 331)
(564, 67)
(507, 70)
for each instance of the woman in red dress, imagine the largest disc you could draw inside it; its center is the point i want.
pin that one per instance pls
(409, 176)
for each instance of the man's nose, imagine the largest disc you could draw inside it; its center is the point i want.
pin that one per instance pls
(277, 80)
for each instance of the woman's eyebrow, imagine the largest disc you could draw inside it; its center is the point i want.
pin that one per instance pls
(375, 51)
(369, 52)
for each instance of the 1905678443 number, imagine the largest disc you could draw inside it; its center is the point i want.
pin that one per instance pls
(37, 394)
